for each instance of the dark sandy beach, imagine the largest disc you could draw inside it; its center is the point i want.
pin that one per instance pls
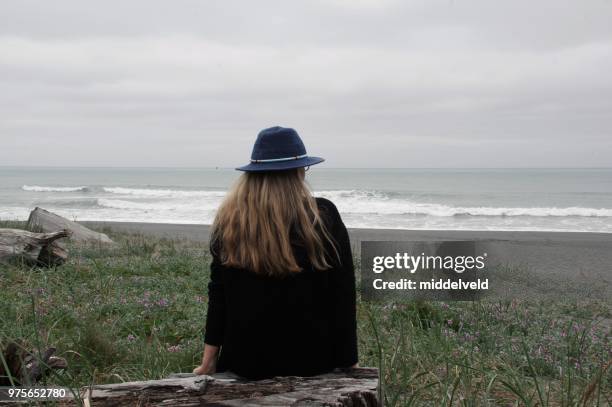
(580, 260)
(567, 239)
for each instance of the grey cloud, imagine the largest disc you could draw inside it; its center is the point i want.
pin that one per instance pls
(437, 83)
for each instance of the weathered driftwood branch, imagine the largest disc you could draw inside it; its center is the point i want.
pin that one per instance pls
(354, 387)
(41, 220)
(24, 367)
(32, 248)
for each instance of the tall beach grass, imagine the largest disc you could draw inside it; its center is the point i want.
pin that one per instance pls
(136, 312)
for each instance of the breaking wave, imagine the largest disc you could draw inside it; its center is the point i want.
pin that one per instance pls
(162, 193)
(372, 202)
(171, 205)
(37, 188)
(359, 202)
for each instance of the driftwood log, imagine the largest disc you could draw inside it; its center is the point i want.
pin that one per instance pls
(41, 220)
(354, 387)
(32, 248)
(24, 367)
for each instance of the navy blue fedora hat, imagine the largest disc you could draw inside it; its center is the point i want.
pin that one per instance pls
(279, 148)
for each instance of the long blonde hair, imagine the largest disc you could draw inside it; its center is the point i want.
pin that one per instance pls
(253, 224)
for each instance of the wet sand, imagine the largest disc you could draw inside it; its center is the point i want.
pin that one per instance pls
(200, 233)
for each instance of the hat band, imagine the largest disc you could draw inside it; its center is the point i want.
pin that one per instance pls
(273, 160)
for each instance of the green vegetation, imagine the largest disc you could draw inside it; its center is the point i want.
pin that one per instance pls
(137, 311)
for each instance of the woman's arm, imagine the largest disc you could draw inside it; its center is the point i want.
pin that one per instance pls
(209, 360)
(215, 319)
(345, 308)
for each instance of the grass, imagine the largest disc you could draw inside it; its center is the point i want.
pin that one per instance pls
(137, 311)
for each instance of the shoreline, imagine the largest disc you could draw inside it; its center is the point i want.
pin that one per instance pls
(200, 232)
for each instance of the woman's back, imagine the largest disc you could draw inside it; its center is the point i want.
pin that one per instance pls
(298, 324)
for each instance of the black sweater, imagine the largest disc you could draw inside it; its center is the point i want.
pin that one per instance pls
(302, 324)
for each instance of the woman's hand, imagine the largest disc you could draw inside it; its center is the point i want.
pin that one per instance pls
(209, 361)
(205, 368)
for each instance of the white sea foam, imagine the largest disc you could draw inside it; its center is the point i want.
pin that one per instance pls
(166, 205)
(37, 188)
(442, 210)
(547, 200)
(371, 202)
(359, 208)
(348, 201)
(163, 193)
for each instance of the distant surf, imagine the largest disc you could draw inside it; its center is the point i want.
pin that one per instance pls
(349, 201)
(170, 193)
(379, 203)
(546, 200)
(37, 188)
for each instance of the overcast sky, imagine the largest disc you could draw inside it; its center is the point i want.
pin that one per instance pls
(367, 83)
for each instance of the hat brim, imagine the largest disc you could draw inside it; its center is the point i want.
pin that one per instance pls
(281, 165)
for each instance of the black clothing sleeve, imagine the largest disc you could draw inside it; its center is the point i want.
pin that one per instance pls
(215, 318)
(344, 297)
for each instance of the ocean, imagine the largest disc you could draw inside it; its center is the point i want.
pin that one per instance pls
(435, 199)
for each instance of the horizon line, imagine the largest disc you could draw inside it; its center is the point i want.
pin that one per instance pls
(330, 168)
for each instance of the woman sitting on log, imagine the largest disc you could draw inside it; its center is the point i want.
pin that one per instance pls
(282, 286)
